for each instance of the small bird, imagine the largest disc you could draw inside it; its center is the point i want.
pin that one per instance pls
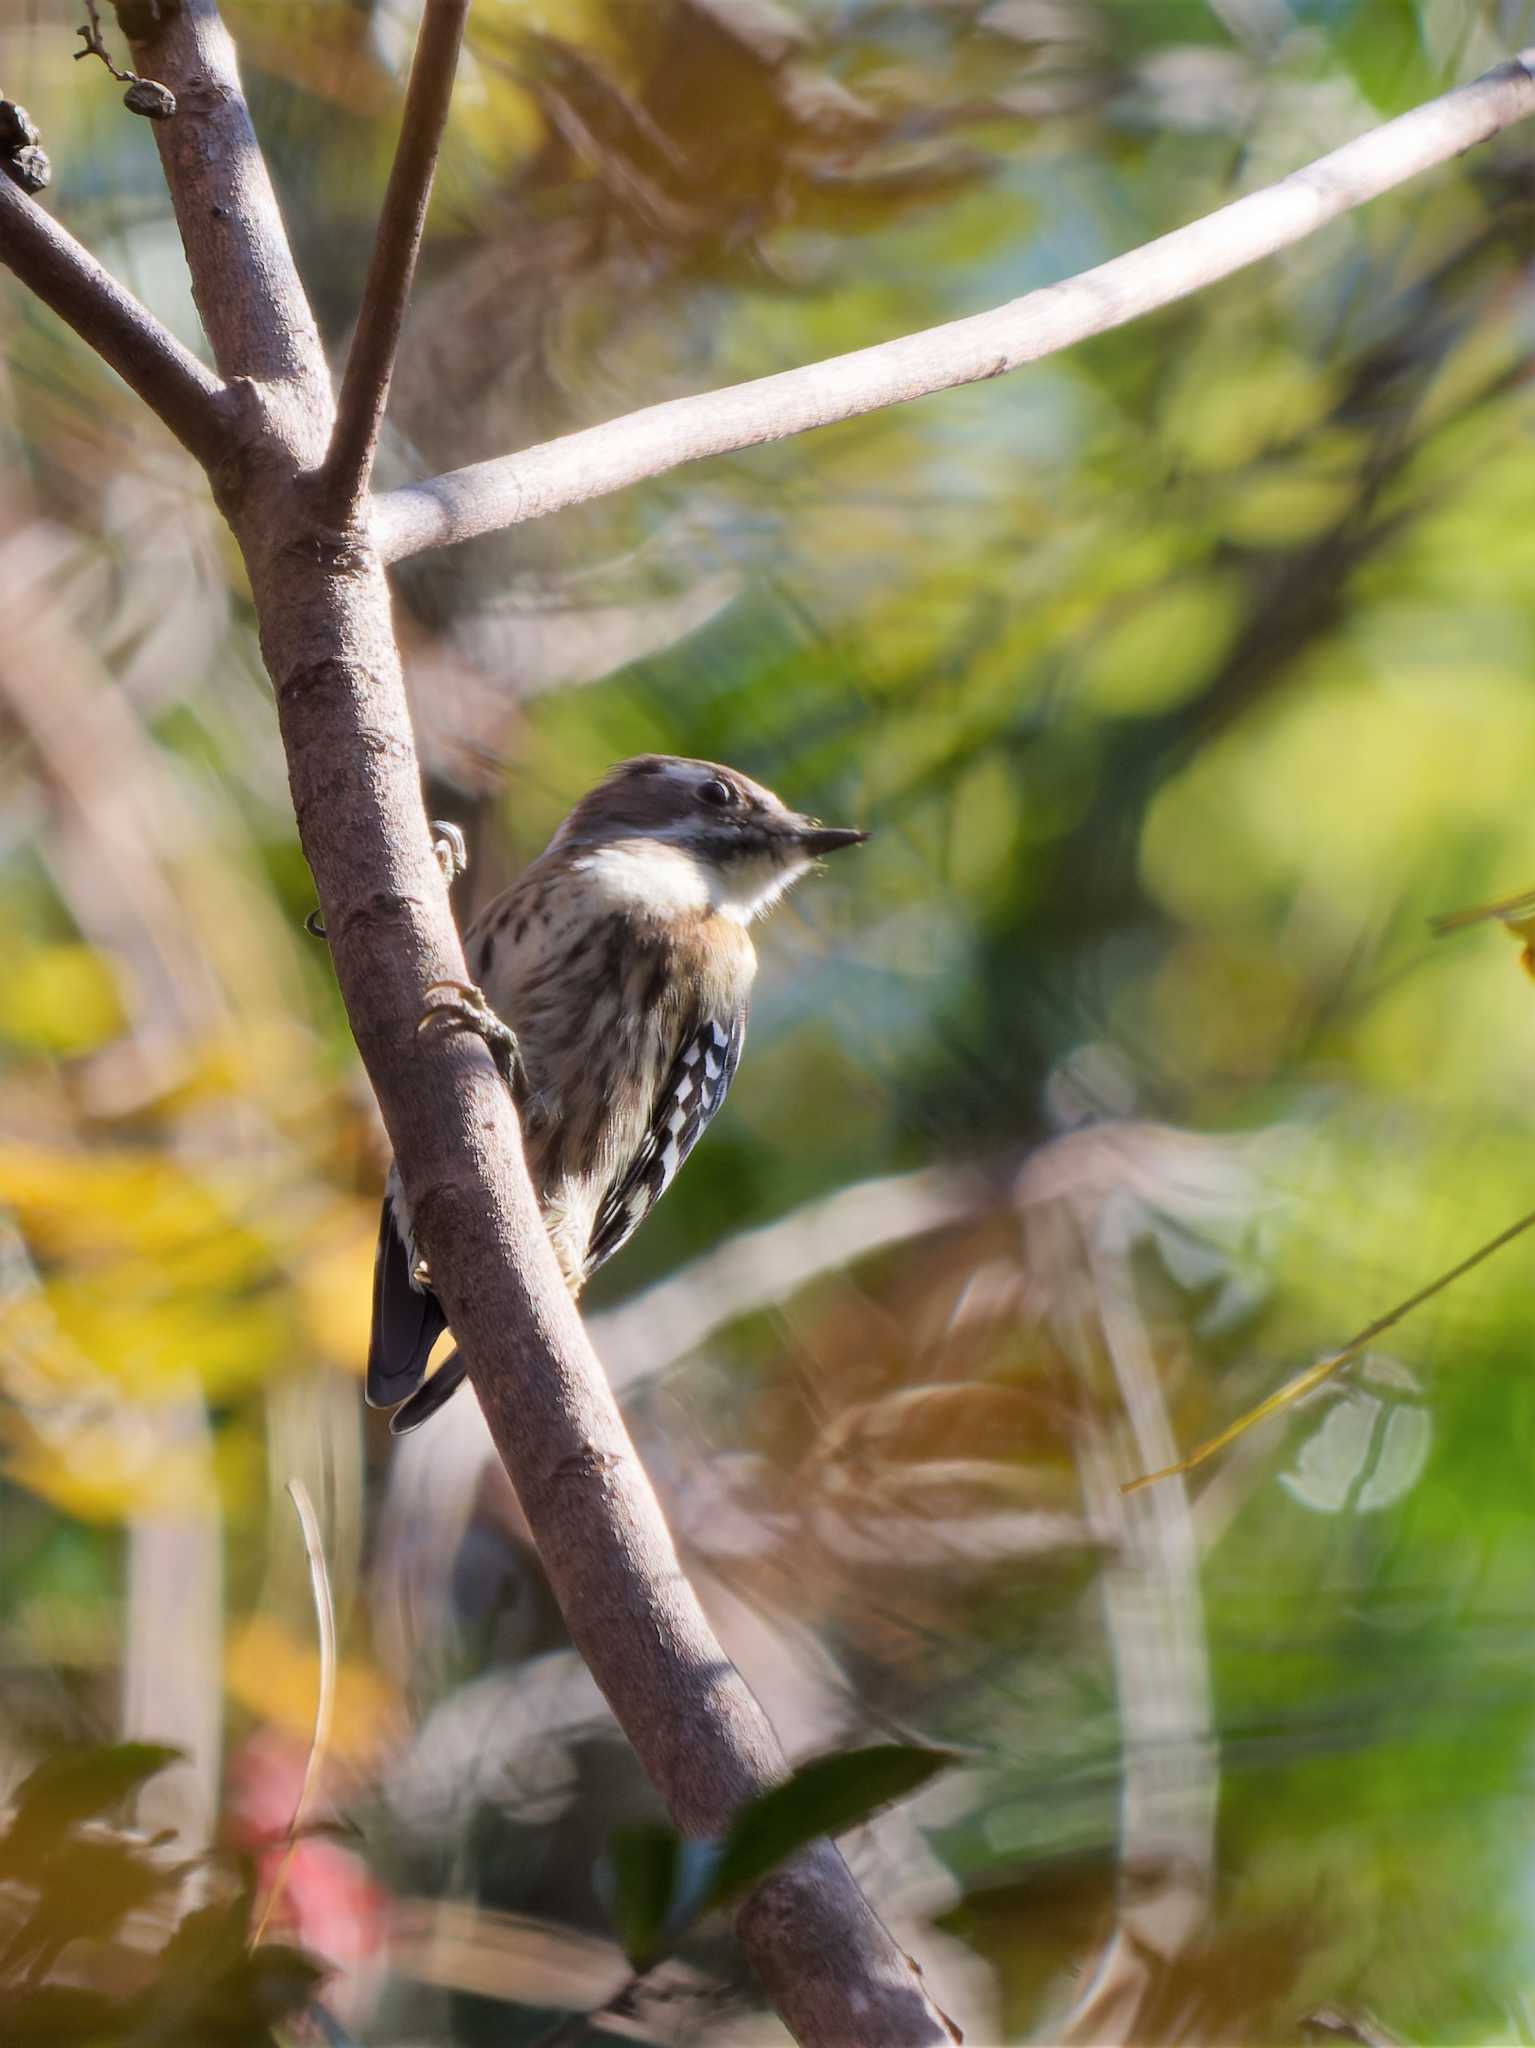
(611, 983)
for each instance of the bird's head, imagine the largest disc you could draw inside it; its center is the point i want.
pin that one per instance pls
(695, 835)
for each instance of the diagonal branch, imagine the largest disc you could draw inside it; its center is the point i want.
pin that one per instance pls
(176, 387)
(833, 1970)
(343, 482)
(488, 496)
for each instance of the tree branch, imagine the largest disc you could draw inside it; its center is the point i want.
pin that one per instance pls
(176, 387)
(254, 309)
(343, 482)
(488, 496)
(829, 1965)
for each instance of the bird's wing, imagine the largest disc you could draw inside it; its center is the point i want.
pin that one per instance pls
(693, 1090)
(407, 1319)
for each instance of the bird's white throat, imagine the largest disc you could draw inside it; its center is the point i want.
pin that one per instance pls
(671, 880)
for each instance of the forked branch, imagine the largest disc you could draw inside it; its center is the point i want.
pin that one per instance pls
(832, 1969)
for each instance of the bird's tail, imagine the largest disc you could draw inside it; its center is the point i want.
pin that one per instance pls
(407, 1318)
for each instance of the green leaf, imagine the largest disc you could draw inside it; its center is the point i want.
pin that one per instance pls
(658, 1883)
(59, 2016)
(88, 1888)
(641, 1882)
(209, 1941)
(210, 1987)
(826, 1796)
(74, 1785)
(272, 1982)
(1381, 44)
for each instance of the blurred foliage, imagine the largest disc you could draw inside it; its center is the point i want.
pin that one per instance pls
(73, 1878)
(660, 1883)
(1180, 679)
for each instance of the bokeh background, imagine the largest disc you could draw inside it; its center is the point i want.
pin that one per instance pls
(1179, 679)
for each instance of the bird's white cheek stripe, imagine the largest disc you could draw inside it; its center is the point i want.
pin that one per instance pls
(627, 878)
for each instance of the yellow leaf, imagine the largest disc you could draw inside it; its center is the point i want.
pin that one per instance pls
(110, 1470)
(139, 1223)
(335, 1286)
(1160, 649)
(59, 999)
(150, 1339)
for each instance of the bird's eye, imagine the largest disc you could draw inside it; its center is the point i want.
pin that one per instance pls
(716, 792)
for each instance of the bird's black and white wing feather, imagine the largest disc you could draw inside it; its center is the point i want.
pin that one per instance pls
(693, 1090)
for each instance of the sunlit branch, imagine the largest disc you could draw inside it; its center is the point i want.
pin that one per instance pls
(488, 496)
(253, 305)
(176, 387)
(343, 481)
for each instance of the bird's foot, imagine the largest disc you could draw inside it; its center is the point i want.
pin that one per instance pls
(460, 1006)
(448, 845)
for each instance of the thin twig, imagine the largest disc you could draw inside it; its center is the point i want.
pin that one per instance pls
(90, 35)
(343, 482)
(1513, 911)
(488, 496)
(183, 392)
(1314, 1375)
(325, 1697)
(145, 96)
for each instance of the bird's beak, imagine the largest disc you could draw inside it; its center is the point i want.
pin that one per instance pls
(819, 839)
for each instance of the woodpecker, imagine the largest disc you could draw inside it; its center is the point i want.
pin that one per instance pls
(611, 983)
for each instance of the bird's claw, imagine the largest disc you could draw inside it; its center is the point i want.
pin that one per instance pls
(452, 856)
(460, 1006)
(451, 852)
